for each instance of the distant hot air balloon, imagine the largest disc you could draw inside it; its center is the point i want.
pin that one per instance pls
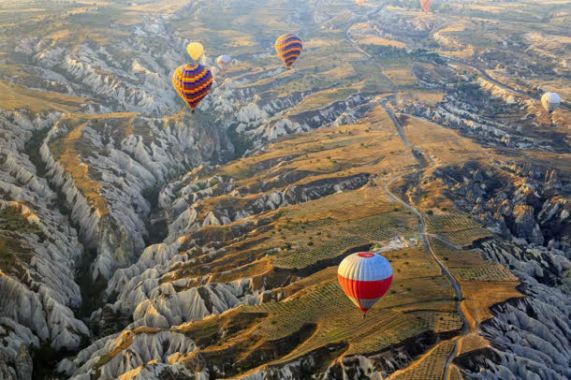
(224, 62)
(195, 50)
(288, 47)
(365, 277)
(425, 4)
(550, 101)
(192, 83)
(360, 2)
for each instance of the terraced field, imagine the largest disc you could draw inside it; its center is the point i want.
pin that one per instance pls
(458, 229)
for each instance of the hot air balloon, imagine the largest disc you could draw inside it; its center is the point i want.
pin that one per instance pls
(425, 4)
(195, 50)
(288, 47)
(224, 62)
(360, 2)
(550, 101)
(365, 277)
(192, 83)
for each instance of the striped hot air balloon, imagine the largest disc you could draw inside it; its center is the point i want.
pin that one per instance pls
(425, 4)
(289, 48)
(365, 277)
(192, 83)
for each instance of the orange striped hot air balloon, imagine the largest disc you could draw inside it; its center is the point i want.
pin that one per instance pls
(192, 83)
(425, 4)
(289, 48)
(365, 277)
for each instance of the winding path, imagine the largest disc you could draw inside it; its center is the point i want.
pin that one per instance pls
(424, 235)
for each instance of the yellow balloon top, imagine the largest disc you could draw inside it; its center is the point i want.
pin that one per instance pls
(195, 50)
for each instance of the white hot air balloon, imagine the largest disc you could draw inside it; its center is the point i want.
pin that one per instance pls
(224, 62)
(550, 101)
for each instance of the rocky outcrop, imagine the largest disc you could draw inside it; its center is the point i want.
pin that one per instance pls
(294, 194)
(189, 204)
(528, 205)
(486, 112)
(15, 360)
(517, 200)
(524, 224)
(40, 253)
(128, 167)
(531, 336)
(130, 353)
(123, 76)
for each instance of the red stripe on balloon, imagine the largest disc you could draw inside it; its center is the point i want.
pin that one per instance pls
(365, 289)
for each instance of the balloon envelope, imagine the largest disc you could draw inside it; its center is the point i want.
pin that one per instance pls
(192, 83)
(195, 50)
(550, 101)
(224, 61)
(288, 48)
(425, 4)
(365, 277)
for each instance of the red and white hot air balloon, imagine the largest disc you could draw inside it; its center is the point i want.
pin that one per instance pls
(365, 277)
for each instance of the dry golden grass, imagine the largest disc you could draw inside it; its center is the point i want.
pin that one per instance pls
(466, 53)
(481, 295)
(161, 6)
(330, 152)
(14, 98)
(375, 83)
(455, 373)
(68, 151)
(401, 76)
(321, 99)
(471, 342)
(380, 41)
(428, 97)
(79, 171)
(443, 146)
(431, 365)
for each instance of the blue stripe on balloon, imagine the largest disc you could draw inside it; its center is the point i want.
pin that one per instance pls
(193, 94)
(202, 93)
(198, 98)
(190, 71)
(294, 53)
(292, 46)
(189, 83)
(290, 39)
